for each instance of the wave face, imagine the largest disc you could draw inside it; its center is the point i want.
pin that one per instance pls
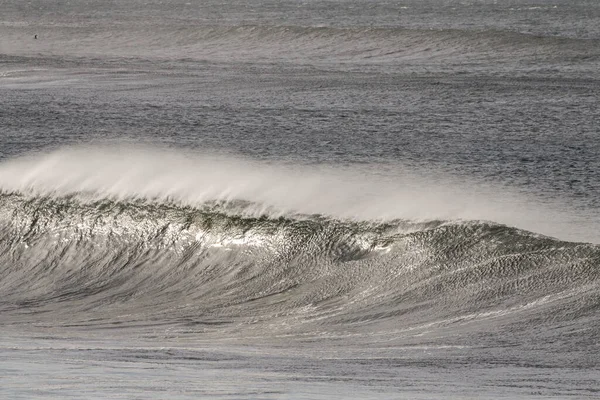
(215, 268)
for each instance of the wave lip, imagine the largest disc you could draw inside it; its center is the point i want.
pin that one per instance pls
(251, 188)
(214, 224)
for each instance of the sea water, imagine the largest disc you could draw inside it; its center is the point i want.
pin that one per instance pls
(299, 199)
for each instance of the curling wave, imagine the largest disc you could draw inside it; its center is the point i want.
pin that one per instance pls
(77, 252)
(208, 270)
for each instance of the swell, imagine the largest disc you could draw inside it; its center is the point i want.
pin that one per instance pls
(210, 268)
(299, 43)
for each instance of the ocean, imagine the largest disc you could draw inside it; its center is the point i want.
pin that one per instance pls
(300, 199)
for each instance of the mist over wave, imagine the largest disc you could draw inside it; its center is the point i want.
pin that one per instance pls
(373, 193)
(125, 256)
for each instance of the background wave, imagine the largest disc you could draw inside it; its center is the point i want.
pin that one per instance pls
(270, 43)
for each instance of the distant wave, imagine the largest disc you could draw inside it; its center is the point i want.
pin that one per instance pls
(305, 43)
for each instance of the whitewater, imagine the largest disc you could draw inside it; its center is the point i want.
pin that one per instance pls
(299, 199)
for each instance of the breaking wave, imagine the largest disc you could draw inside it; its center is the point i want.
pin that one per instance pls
(230, 266)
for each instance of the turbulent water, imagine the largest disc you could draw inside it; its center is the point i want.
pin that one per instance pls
(299, 199)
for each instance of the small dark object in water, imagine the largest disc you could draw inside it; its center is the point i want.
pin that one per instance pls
(35, 36)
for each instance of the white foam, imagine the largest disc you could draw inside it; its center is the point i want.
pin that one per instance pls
(367, 193)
